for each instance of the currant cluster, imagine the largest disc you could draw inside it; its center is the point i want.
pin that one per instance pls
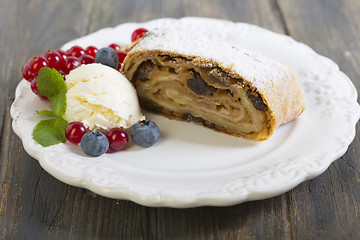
(65, 61)
(94, 143)
(60, 60)
(117, 139)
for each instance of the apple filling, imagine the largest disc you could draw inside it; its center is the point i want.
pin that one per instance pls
(180, 89)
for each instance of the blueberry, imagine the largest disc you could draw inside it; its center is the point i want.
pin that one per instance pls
(145, 133)
(94, 143)
(107, 56)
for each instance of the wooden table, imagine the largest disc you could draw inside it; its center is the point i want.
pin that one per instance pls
(35, 205)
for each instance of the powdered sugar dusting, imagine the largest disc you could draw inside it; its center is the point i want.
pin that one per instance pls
(253, 67)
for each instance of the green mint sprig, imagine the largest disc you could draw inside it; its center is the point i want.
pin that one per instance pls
(51, 131)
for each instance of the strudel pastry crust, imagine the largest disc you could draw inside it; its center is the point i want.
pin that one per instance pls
(215, 84)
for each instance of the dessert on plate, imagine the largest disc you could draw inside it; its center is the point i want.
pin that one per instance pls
(92, 103)
(214, 84)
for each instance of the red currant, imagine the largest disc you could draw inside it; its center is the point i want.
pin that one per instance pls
(26, 73)
(118, 139)
(91, 50)
(55, 59)
(119, 67)
(138, 33)
(121, 55)
(86, 59)
(75, 51)
(62, 54)
(115, 46)
(63, 74)
(35, 64)
(74, 132)
(35, 88)
(71, 63)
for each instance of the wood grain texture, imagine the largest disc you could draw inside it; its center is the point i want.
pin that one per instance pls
(35, 205)
(329, 28)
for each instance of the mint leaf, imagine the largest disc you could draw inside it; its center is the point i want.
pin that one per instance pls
(46, 113)
(50, 132)
(52, 85)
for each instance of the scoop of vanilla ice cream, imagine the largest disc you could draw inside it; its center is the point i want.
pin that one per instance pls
(101, 98)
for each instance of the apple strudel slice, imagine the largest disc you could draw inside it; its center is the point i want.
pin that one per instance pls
(214, 84)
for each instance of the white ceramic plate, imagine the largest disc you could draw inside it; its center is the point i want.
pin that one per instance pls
(194, 166)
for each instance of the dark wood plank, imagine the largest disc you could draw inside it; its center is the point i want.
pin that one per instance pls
(331, 206)
(28, 28)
